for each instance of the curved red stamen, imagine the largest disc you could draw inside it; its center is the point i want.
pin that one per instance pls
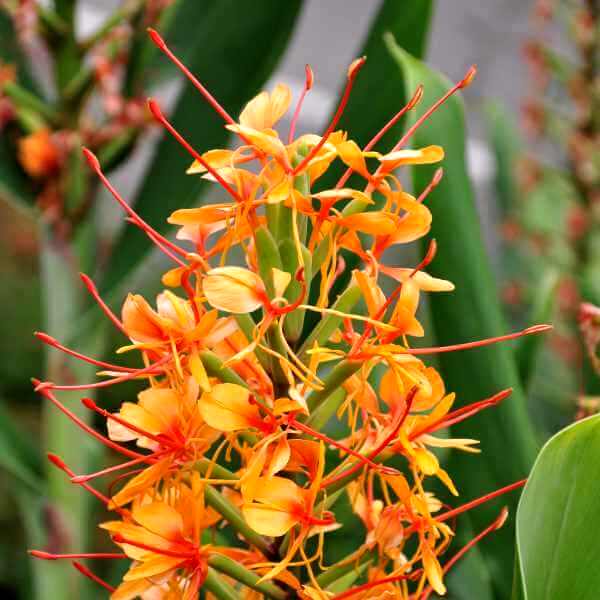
(89, 403)
(50, 556)
(409, 106)
(435, 180)
(46, 393)
(150, 231)
(465, 346)
(158, 115)
(93, 290)
(160, 43)
(113, 469)
(464, 82)
(87, 573)
(354, 69)
(184, 555)
(149, 370)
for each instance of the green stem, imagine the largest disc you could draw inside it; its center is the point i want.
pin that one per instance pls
(234, 517)
(234, 569)
(26, 99)
(338, 375)
(219, 588)
(214, 367)
(336, 572)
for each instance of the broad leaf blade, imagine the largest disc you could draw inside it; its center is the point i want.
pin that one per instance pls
(558, 516)
(472, 312)
(236, 57)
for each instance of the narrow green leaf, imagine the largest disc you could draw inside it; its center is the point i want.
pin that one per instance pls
(557, 533)
(218, 588)
(233, 61)
(17, 455)
(528, 349)
(471, 312)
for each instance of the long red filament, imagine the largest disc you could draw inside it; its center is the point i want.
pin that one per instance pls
(113, 469)
(85, 427)
(435, 180)
(150, 231)
(50, 341)
(494, 526)
(93, 290)
(372, 584)
(49, 556)
(355, 68)
(158, 115)
(465, 346)
(308, 83)
(89, 403)
(160, 43)
(87, 573)
(120, 539)
(149, 370)
(464, 82)
(411, 104)
(460, 414)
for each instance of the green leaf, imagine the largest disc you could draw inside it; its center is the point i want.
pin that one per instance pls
(558, 516)
(506, 146)
(234, 60)
(472, 312)
(14, 186)
(17, 455)
(379, 92)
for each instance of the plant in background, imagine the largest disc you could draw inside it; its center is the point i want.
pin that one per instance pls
(551, 221)
(255, 419)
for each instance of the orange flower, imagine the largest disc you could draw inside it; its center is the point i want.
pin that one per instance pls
(38, 154)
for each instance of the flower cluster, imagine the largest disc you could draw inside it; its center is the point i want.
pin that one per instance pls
(247, 364)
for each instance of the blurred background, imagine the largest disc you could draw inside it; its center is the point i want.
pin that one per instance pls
(532, 155)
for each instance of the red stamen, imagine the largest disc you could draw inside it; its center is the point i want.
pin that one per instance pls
(352, 73)
(501, 338)
(481, 500)
(463, 413)
(150, 231)
(93, 290)
(308, 83)
(157, 242)
(114, 468)
(494, 526)
(89, 403)
(372, 584)
(381, 447)
(160, 43)
(50, 341)
(87, 573)
(464, 82)
(189, 290)
(120, 539)
(149, 370)
(411, 104)
(435, 180)
(60, 463)
(46, 393)
(158, 115)
(365, 460)
(49, 556)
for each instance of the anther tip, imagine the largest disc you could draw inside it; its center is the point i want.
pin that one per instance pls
(468, 78)
(156, 38)
(417, 97)
(501, 518)
(91, 158)
(41, 554)
(56, 460)
(88, 403)
(309, 77)
(155, 109)
(355, 66)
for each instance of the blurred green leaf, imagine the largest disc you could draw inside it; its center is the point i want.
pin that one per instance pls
(529, 347)
(235, 58)
(18, 455)
(14, 186)
(507, 147)
(472, 312)
(558, 516)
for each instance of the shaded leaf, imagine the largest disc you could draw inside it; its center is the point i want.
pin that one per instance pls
(471, 312)
(557, 518)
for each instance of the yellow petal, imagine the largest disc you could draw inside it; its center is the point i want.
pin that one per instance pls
(374, 223)
(233, 289)
(153, 567)
(227, 407)
(281, 280)
(433, 570)
(422, 156)
(159, 518)
(263, 111)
